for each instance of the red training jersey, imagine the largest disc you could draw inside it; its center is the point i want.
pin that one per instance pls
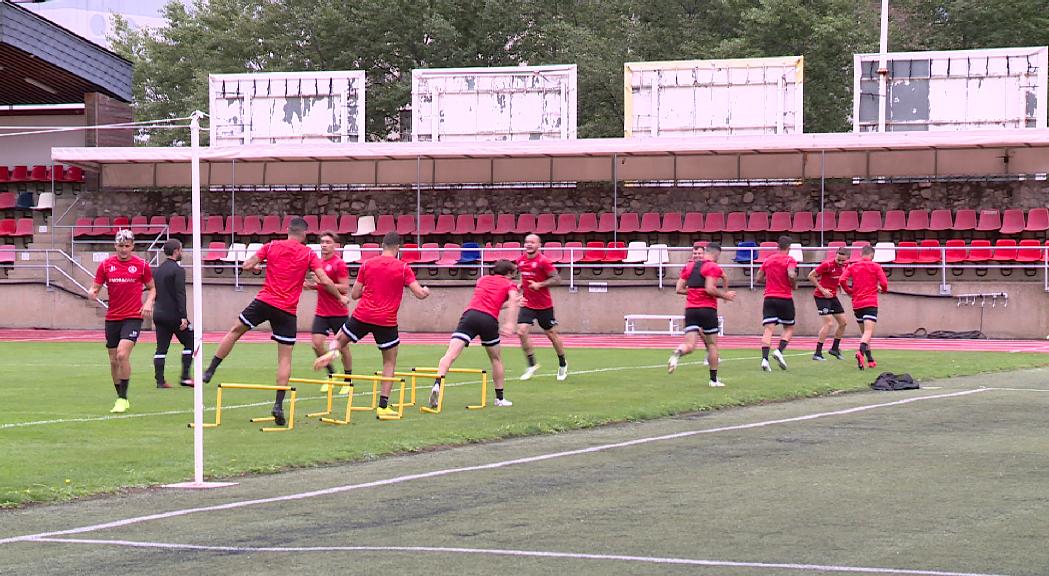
(867, 277)
(287, 262)
(535, 269)
(698, 297)
(384, 278)
(328, 305)
(829, 275)
(124, 279)
(777, 283)
(491, 293)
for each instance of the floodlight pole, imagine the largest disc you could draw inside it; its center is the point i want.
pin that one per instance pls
(198, 309)
(883, 66)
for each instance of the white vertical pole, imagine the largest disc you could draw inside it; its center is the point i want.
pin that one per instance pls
(883, 67)
(198, 310)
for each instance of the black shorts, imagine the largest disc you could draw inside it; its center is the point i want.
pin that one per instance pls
(476, 323)
(166, 328)
(386, 337)
(777, 311)
(281, 323)
(530, 315)
(868, 313)
(829, 306)
(703, 320)
(117, 330)
(327, 324)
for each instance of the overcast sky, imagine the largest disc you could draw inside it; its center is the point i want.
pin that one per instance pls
(92, 18)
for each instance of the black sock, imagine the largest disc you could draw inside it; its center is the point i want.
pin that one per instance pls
(187, 363)
(863, 348)
(782, 345)
(331, 370)
(764, 352)
(531, 359)
(215, 361)
(158, 368)
(384, 401)
(836, 345)
(280, 399)
(819, 348)
(122, 388)
(868, 354)
(436, 381)
(713, 375)
(561, 360)
(499, 393)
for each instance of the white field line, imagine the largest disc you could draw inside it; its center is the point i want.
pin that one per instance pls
(1018, 389)
(361, 393)
(518, 553)
(479, 467)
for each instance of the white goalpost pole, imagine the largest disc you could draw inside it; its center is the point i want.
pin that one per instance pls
(198, 310)
(883, 68)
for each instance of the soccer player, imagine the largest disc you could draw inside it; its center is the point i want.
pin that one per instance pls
(481, 319)
(169, 314)
(287, 263)
(537, 275)
(867, 279)
(699, 284)
(826, 277)
(124, 275)
(379, 287)
(331, 313)
(780, 272)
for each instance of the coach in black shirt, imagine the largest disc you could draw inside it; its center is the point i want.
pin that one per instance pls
(169, 313)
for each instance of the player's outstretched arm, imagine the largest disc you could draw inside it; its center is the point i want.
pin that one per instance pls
(711, 286)
(329, 286)
(418, 290)
(251, 264)
(844, 281)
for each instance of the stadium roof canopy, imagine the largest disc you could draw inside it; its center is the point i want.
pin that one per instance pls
(804, 156)
(43, 63)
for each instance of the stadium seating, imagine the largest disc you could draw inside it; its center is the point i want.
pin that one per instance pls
(464, 225)
(606, 222)
(365, 226)
(955, 251)
(235, 254)
(758, 222)
(990, 221)
(629, 223)
(804, 222)
(369, 250)
(1029, 251)
(100, 227)
(545, 224)
(139, 225)
(671, 223)
(636, 253)
(178, 226)
(884, 252)
(312, 224)
(409, 253)
(930, 252)
(765, 249)
(917, 221)
(7, 254)
(796, 252)
(781, 222)
(5, 174)
(714, 223)
(553, 251)
(650, 222)
(573, 252)
(405, 224)
(848, 221)
(827, 221)
(234, 225)
(566, 224)
(1012, 222)
(593, 253)
(351, 253)
(895, 221)
(328, 223)
(450, 255)
(82, 228)
(587, 223)
(940, 221)
(252, 249)
(657, 255)
(383, 224)
(19, 174)
(745, 252)
(215, 253)
(429, 253)
(271, 225)
(285, 224)
(964, 221)
(1005, 250)
(7, 200)
(213, 225)
(735, 222)
(347, 225)
(485, 224)
(252, 226)
(525, 224)
(980, 251)
(692, 223)
(616, 252)
(505, 224)
(870, 222)
(906, 252)
(1037, 220)
(8, 227)
(510, 251)
(470, 254)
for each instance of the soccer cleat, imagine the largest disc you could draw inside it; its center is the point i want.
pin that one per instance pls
(716, 384)
(435, 395)
(208, 375)
(765, 365)
(835, 353)
(387, 411)
(278, 415)
(324, 388)
(503, 402)
(562, 372)
(120, 406)
(818, 357)
(872, 364)
(163, 385)
(187, 382)
(778, 357)
(529, 372)
(671, 364)
(859, 361)
(344, 390)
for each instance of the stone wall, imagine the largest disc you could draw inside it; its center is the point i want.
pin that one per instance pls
(583, 198)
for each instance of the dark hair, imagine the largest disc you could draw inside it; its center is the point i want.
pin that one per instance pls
(391, 239)
(783, 242)
(334, 237)
(171, 245)
(868, 249)
(700, 245)
(842, 251)
(503, 267)
(713, 247)
(297, 226)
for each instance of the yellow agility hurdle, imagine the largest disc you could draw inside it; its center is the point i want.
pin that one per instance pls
(432, 372)
(413, 379)
(236, 386)
(347, 380)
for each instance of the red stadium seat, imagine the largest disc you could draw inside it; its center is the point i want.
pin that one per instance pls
(1029, 251)
(573, 252)
(7, 254)
(671, 223)
(955, 251)
(212, 225)
(270, 225)
(870, 222)
(1004, 250)
(765, 249)
(606, 222)
(24, 228)
(930, 252)
(327, 223)
(758, 222)
(505, 224)
(692, 223)
(510, 250)
(736, 222)
(856, 254)
(553, 251)
(1013, 222)
(906, 253)
(464, 224)
(347, 224)
(139, 225)
(980, 251)
(429, 253)
(8, 227)
(58, 173)
(74, 174)
(427, 224)
(384, 223)
(120, 223)
(827, 221)
(19, 174)
(234, 225)
(616, 252)
(157, 224)
(7, 200)
(629, 223)
(410, 253)
(252, 226)
(941, 220)
(650, 222)
(1037, 220)
(490, 253)
(215, 253)
(545, 224)
(445, 224)
(405, 225)
(100, 226)
(587, 223)
(450, 255)
(525, 224)
(312, 224)
(566, 224)
(848, 221)
(485, 224)
(179, 226)
(990, 221)
(964, 220)
(82, 227)
(803, 223)
(917, 220)
(714, 222)
(286, 223)
(39, 174)
(895, 221)
(5, 174)
(594, 252)
(781, 222)
(370, 250)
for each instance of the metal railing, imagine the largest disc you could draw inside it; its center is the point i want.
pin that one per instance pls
(53, 260)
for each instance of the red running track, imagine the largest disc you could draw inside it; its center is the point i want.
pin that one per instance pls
(582, 341)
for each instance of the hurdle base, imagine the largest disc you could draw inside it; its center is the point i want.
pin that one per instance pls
(206, 425)
(263, 419)
(316, 414)
(198, 485)
(334, 421)
(388, 417)
(428, 410)
(476, 407)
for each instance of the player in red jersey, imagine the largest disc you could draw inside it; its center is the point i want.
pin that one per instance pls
(537, 275)
(379, 287)
(826, 277)
(780, 272)
(287, 263)
(481, 319)
(330, 313)
(699, 284)
(124, 275)
(867, 279)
